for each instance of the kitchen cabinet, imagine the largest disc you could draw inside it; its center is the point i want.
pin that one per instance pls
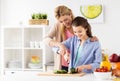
(0, 54)
(0, 64)
(23, 49)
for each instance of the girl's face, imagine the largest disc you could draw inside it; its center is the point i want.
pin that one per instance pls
(66, 20)
(80, 32)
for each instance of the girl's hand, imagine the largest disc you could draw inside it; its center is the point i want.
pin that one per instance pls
(80, 68)
(67, 56)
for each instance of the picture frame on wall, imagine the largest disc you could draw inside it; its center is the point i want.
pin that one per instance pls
(94, 13)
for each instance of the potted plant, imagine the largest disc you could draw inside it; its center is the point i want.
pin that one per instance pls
(38, 18)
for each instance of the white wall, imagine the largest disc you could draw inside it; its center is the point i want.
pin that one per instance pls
(16, 11)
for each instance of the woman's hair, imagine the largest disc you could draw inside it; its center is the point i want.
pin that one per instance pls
(61, 11)
(80, 21)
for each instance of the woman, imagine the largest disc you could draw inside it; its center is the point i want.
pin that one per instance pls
(61, 31)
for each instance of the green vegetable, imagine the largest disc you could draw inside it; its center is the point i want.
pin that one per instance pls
(72, 70)
(60, 71)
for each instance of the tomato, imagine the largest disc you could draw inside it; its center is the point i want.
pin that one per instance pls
(102, 69)
(97, 69)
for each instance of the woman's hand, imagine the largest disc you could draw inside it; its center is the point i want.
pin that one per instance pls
(94, 38)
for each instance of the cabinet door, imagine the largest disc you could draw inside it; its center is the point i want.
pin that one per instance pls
(33, 59)
(13, 59)
(12, 38)
(33, 37)
(33, 50)
(12, 48)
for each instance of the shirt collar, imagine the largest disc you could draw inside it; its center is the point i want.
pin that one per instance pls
(87, 41)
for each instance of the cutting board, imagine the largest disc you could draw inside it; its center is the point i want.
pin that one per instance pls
(53, 74)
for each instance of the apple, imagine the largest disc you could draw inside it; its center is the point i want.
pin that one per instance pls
(114, 57)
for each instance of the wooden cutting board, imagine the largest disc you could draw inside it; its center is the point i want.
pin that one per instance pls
(53, 74)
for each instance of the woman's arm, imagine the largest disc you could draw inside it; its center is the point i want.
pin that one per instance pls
(52, 37)
(60, 49)
(63, 47)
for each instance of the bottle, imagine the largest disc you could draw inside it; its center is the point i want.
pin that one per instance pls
(105, 62)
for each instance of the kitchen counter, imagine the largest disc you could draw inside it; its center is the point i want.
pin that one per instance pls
(37, 77)
(72, 77)
(67, 75)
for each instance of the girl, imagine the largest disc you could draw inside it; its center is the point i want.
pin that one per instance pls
(85, 55)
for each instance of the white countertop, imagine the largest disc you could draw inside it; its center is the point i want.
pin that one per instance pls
(35, 77)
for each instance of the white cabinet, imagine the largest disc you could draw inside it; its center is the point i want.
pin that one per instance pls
(0, 53)
(23, 49)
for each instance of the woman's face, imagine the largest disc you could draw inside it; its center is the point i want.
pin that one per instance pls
(66, 20)
(80, 32)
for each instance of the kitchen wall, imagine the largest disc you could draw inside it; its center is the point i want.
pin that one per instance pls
(15, 12)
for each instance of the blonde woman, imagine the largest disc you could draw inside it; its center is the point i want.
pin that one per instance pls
(61, 31)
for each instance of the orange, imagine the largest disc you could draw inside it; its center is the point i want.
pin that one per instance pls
(117, 65)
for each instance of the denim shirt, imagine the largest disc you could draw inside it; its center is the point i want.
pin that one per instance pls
(90, 54)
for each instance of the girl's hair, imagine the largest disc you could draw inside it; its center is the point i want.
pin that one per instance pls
(61, 11)
(80, 21)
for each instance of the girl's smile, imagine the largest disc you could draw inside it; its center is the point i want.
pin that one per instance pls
(80, 32)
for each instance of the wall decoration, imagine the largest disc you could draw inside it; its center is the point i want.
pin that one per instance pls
(94, 13)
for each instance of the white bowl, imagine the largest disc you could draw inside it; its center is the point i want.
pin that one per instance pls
(103, 75)
(34, 66)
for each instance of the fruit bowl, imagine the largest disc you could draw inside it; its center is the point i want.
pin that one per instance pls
(103, 75)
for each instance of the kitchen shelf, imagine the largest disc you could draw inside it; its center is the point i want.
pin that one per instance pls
(21, 44)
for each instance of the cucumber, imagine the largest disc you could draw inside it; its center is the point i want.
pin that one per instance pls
(72, 70)
(60, 71)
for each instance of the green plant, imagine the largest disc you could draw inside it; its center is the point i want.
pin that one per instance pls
(44, 16)
(39, 16)
(33, 16)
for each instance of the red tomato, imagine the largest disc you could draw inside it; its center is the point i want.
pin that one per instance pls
(97, 70)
